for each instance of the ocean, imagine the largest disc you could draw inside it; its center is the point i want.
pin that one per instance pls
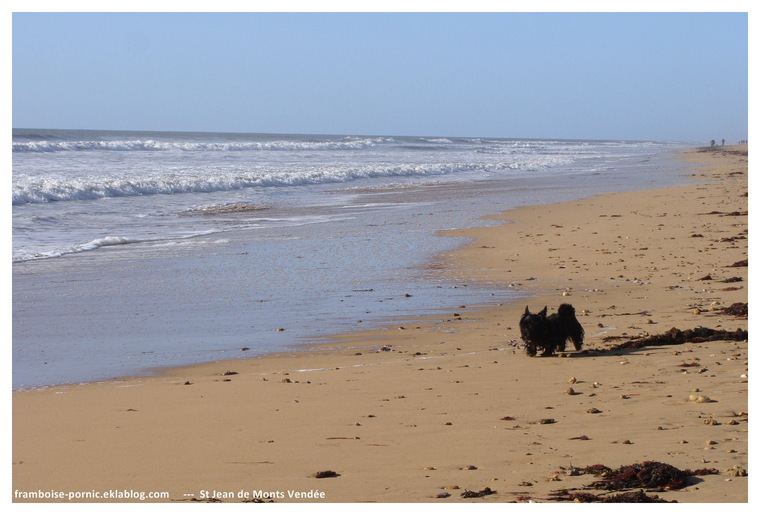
(136, 251)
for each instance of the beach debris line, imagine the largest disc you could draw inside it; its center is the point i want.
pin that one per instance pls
(677, 337)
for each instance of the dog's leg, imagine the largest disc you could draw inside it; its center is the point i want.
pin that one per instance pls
(576, 335)
(549, 347)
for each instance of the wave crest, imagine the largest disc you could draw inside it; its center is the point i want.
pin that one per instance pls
(151, 145)
(27, 191)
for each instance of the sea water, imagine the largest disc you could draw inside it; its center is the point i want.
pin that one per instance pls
(134, 251)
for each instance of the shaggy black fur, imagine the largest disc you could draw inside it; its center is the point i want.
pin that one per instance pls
(550, 333)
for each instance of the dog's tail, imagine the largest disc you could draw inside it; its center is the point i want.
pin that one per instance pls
(575, 330)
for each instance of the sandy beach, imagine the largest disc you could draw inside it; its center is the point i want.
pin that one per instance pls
(427, 410)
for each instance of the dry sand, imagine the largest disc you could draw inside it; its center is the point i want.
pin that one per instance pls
(437, 406)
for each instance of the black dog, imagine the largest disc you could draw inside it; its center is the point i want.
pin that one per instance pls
(550, 333)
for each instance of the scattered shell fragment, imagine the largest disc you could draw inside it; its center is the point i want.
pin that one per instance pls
(572, 380)
(443, 495)
(570, 391)
(593, 410)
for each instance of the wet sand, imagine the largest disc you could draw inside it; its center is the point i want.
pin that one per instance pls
(428, 409)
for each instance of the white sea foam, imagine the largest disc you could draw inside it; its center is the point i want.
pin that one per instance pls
(49, 189)
(70, 187)
(108, 241)
(128, 145)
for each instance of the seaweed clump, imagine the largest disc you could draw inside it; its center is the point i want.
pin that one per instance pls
(651, 475)
(597, 470)
(677, 337)
(469, 494)
(737, 309)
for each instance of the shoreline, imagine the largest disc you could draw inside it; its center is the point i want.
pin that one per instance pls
(384, 416)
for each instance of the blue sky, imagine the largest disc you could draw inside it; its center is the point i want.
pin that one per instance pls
(646, 76)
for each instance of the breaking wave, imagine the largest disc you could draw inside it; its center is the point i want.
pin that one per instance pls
(153, 145)
(27, 190)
